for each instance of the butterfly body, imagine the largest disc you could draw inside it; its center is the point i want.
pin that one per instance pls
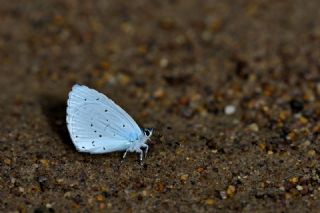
(98, 125)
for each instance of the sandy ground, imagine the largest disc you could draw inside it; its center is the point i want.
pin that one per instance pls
(174, 66)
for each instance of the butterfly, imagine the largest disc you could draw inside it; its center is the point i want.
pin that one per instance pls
(98, 125)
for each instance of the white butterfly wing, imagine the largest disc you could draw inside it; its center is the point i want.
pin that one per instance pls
(82, 94)
(96, 124)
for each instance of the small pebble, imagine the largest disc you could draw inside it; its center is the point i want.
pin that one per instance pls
(215, 25)
(144, 193)
(223, 195)
(184, 177)
(229, 110)
(283, 115)
(12, 180)
(59, 180)
(7, 161)
(48, 205)
(67, 195)
(316, 129)
(159, 93)
(100, 198)
(294, 180)
(282, 188)
(210, 201)
(164, 62)
(265, 109)
(254, 127)
(200, 169)
(123, 79)
(288, 196)
(309, 95)
(306, 143)
(262, 146)
(44, 162)
(161, 187)
(21, 189)
(303, 120)
(299, 188)
(292, 136)
(311, 152)
(231, 190)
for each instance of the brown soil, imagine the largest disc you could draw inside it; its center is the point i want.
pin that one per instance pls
(174, 66)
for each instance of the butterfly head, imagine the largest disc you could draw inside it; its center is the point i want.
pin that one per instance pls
(148, 132)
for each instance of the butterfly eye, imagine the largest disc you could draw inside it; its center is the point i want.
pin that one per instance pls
(147, 132)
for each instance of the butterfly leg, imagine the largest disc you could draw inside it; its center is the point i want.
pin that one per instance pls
(146, 151)
(125, 154)
(141, 154)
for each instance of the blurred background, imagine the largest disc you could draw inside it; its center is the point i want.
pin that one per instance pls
(231, 87)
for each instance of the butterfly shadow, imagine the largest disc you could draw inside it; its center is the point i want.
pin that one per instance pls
(54, 109)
